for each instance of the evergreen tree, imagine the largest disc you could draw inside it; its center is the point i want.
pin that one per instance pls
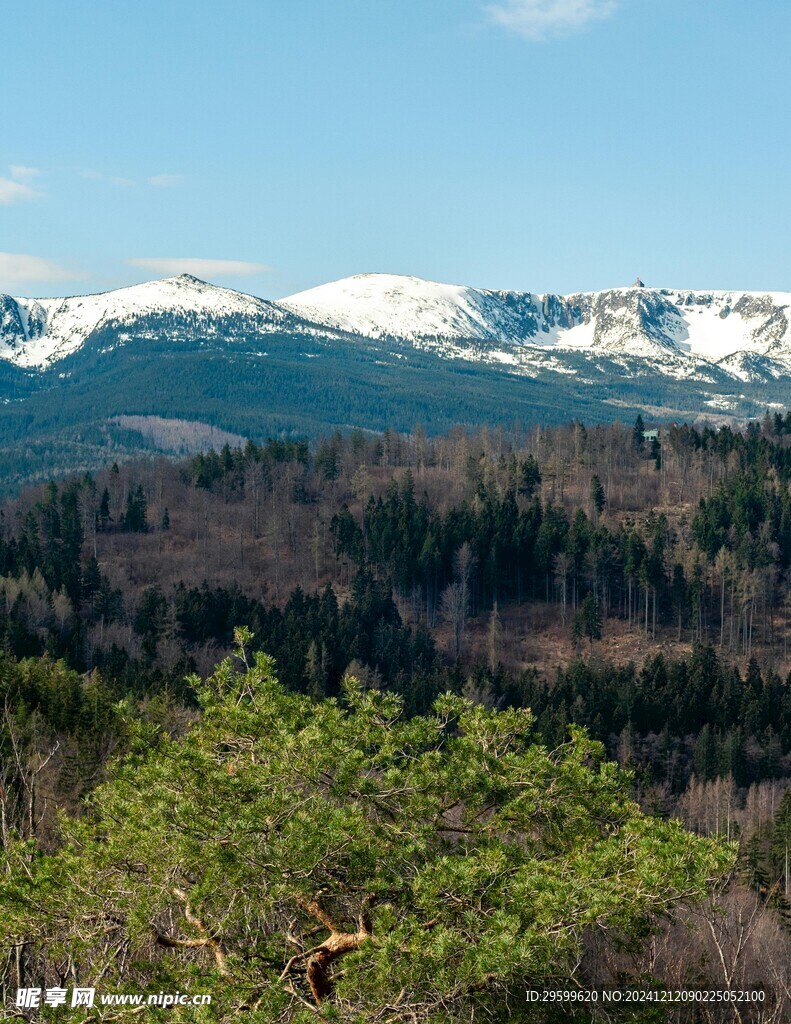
(316, 670)
(598, 498)
(781, 842)
(638, 434)
(313, 860)
(754, 862)
(150, 619)
(530, 477)
(91, 579)
(706, 754)
(587, 621)
(103, 517)
(134, 519)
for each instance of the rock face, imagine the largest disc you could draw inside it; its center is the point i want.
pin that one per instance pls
(12, 328)
(744, 335)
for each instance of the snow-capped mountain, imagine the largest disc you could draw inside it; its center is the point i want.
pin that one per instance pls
(40, 332)
(389, 305)
(742, 336)
(660, 325)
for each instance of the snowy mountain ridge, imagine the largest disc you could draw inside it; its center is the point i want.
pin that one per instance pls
(40, 332)
(744, 335)
(655, 324)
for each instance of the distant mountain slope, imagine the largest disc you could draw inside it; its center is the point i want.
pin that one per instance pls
(375, 351)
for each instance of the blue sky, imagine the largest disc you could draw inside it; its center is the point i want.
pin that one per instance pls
(547, 145)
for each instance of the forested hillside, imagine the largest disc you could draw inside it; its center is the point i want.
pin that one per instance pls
(632, 581)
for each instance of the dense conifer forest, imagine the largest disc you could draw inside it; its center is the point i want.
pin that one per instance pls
(628, 579)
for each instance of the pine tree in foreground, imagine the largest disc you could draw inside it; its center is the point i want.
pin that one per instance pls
(333, 860)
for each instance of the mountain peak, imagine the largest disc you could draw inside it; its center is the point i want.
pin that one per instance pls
(187, 279)
(38, 332)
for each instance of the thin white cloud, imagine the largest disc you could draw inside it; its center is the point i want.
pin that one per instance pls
(538, 20)
(20, 268)
(165, 180)
(12, 190)
(200, 268)
(18, 171)
(15, 192)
